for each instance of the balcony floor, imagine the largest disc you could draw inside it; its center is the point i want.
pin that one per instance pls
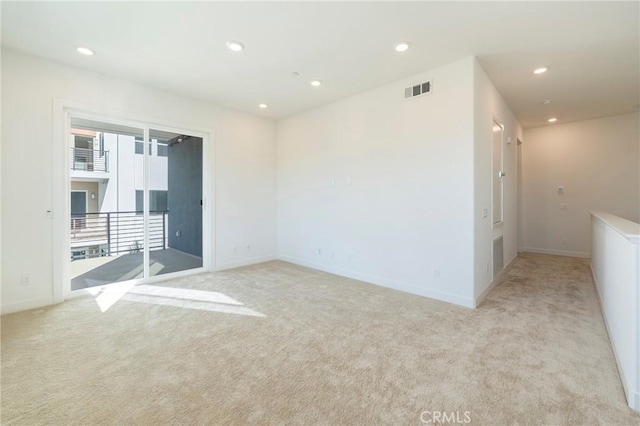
(109, 269)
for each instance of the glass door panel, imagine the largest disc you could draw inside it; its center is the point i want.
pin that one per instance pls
(107, 171)
(175, 202)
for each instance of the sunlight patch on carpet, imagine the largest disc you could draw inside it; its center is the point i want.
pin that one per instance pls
(186, 298)
(192, 304)
(184, 293)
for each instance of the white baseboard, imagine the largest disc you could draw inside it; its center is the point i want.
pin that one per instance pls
(244, 262)
(25, 305)
(554, 252)
(483, 295)
(383, 282)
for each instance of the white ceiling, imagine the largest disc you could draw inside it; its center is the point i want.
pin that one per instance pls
(593, 49)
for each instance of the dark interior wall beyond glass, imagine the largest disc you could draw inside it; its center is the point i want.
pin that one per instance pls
(185, 196)
(157, 201)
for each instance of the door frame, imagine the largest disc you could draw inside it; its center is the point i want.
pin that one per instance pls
(86, 199)
(62, 141)
(499, 224)
(86, 202)
(519, 197)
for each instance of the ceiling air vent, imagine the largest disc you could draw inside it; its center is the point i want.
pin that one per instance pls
(417, 90)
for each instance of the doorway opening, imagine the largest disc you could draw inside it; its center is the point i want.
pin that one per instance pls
(136, 203)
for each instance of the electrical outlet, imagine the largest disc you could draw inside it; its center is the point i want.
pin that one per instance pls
(248, 247)
(436, 273)
(564, 240)
(319, 252)
(25, 279)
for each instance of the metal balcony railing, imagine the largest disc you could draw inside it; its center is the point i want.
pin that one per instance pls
(89, 160)
(116, 233)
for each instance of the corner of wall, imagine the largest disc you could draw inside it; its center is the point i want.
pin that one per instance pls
(347, 171)
(489, 106)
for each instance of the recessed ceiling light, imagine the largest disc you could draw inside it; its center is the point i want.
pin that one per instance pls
(316, 83)
(401, 47)
(85, 51)
(552, 120)
(263, 106)
(541, 70)
(236, 46)
(546, 102)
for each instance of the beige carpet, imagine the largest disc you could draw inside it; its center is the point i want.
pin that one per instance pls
(306, 347)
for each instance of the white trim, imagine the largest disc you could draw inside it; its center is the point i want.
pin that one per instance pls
(556, 252)
(245, 262)
(208, 200)
(383, 282)
(628, 229)
(61, 209)
(25, 305)
(61, 140)
(498, 224)
(146, 155)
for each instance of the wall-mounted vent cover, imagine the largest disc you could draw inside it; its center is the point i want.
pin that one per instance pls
(417, 90)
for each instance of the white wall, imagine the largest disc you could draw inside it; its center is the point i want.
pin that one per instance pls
(489, 106)
(615, 264)
(158, 169)
(598, 163)
(401, 206)
(109, 190)
(244, 166)
(1, 182)
(128, 175)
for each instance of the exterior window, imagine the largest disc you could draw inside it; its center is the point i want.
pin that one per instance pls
(163, 150)
(101, 143)
(157, 201)
(139, 201)
(140, 147)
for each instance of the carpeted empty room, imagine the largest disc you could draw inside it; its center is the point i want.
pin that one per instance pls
(319, 213)
(282, 344)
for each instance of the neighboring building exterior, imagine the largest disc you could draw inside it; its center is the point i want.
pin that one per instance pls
(107, 194)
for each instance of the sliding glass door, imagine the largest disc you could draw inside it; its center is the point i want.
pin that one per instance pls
(135, 203)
